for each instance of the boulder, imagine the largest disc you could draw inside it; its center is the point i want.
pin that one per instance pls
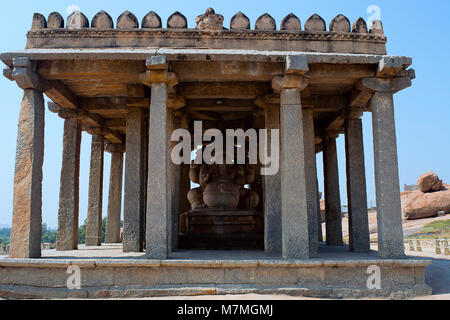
(420, 205)
(429, 182)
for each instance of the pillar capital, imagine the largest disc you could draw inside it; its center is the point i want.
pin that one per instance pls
(386, 85)
(157, 72)
(289, 81)
(114, 147)
(24, 73)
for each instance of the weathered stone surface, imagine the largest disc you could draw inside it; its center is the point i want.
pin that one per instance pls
(69, 188)
(340, 24)
(39, 22)
(27, 202)
(359, 26)
(291, 22)
(272, 191)
(333, 211)
(315, 23)
(389, 215)
(102, 20)
(112, 232)
(297, 65)
(127, 20)
(240, 22)
(134, 206)
(429, 182)
(158, 215)
(77, 20)
(209, 20)
(151, 20)
(95, 198)
(295, 238)
(266, 23)
(310, 179)
(55, 21)
(420, 205)
(177, 20)
(376, 27)
(359, 239)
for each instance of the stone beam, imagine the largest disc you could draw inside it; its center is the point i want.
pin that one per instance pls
(61, 95)
(91, 122)
(224, 90)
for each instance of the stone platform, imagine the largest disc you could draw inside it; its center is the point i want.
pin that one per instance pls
(107, 272)
(222, 229)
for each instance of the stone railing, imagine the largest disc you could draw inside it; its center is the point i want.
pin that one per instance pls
(439, 246)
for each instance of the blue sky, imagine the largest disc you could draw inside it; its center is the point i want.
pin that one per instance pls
(418, 29)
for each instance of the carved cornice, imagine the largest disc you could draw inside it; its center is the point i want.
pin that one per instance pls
(195, 33)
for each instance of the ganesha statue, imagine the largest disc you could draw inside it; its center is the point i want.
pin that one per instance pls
(222, 186)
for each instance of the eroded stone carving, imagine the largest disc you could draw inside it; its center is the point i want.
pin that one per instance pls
(209, 20)
(222, 186)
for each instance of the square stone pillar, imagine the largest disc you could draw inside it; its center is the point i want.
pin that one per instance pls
(389, 212)
(26, 229)
(311, 178)
(158, 196)
(272, 190)
(112, 232)
(134, 198)
(319, 213)
(358, 219)
(294, 208)
(95, 198)
(69, 187)
(333, 210)
(175, 187)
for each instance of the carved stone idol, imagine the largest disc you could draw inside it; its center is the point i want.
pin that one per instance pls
(222, 186)
(210, 20)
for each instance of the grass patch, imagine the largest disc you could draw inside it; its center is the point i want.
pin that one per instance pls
(433, 230)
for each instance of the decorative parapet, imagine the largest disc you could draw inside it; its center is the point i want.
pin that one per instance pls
(77, 20)
(266, 34)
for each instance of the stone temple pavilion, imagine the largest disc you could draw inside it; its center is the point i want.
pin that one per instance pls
(131, 83)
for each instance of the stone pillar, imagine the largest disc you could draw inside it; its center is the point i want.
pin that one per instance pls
(319, 213)
(390, 230)
(272, 190)
(158, 197)
(174, 185)
(26, 229)
(294, 208)
(311, 179)
(358, 219)
(69, 188)
(333, 210)
(134, 180)
(94, 217)
(112, 232)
